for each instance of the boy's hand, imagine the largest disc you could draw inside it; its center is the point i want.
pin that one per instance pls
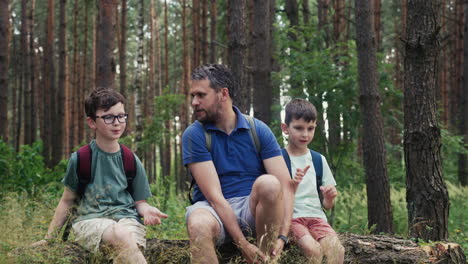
(300, 173)
(329, 194)
(152, 216)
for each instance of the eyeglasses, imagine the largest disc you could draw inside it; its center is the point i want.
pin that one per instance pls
(110, 119)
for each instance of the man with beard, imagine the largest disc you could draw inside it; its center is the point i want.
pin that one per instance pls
(239, 191)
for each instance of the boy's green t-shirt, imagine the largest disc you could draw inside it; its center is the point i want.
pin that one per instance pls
(307, 201)
(106, 195)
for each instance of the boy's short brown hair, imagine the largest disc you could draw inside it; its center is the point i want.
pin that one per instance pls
(102, 99)
(300, 108)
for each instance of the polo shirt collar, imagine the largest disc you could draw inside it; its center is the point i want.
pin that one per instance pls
(241, 121)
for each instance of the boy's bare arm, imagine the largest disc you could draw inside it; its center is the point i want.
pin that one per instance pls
(60, 216)
(61, 212)
(329, 193)
(151, 215)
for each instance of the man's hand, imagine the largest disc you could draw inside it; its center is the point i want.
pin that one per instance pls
(39, 243)
(329, 194)
(276, 252)
(300, 173)
(252, 253)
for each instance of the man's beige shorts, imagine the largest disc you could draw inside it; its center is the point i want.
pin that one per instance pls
(88, 233)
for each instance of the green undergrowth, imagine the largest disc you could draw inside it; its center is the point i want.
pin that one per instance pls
(24, 219)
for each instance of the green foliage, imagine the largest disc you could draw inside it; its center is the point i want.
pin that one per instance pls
(26, 171)
(452, 147)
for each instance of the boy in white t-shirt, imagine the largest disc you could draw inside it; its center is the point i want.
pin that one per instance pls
(309, 227)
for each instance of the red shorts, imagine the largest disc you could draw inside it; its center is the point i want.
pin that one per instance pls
(317, 227)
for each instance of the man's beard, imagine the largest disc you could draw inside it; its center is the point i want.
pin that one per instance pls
(210, 116)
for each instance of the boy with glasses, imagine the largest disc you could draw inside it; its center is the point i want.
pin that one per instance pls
(107, 214)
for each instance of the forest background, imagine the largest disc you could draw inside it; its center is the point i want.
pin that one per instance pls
(387, 77)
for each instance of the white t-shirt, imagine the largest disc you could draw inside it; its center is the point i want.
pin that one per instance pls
(307, 201)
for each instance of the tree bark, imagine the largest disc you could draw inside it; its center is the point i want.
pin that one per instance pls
(25, 73)
(62, 86)
(363, 249)
(237, 52)
(204, 35)
(426, 195)
(261, 75)
(49, 85)
(123, 50)
(463, 159)
(213, 18)
(105, 44)
(196, 33)
(378, 189)
(4, 65)
(138, 78)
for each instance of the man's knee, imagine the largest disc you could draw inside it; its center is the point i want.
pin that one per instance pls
(202, 223)
(268, 188)
(120, 236)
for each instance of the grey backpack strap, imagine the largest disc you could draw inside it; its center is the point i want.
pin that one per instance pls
(207, 139)
(253, 132)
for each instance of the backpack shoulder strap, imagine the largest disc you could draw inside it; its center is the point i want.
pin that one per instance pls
(287, 160)
(253, 133)
(83, 168)
(129, 164)
(317, 160)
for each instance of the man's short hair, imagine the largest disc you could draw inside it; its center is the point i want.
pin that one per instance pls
(218, 75)
(102, 99)
(300, 108)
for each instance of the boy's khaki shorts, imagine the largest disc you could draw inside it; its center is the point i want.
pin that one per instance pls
(88, 233)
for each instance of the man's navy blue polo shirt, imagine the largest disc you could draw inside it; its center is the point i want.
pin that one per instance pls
(234, 156)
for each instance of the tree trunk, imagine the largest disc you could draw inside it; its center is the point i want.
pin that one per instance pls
(62, 86)
(305, 12)
(32, 74)
(138, 78)
(261, 75)
(105, 64)
(185, 119)
(196, 33)
(426, 196)
(322, 10)
(462, 159)
(363, 249)
(25, 73)
(377, 23)
(237, 52)
(4, 66)
(213, 18)
(378, 189)
(123, 50)
(204, 35)
(49, 84)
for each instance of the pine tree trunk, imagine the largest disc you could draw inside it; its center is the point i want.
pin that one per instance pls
(322, 10)
(62, 86)
(49, 85)
(4, 65)
(25, 73)
(105, 64)
(463, 159)
(32, 74)
(138, 79)
(123, 49)
(426, 196)
(204, 35)
(377, 4)
(261, 75)
(213, 18)
(378, 189)
(237, 52)
(196, 33)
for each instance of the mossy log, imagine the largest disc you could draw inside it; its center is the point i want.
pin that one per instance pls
(359, 249)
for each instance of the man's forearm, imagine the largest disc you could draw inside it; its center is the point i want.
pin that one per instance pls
(229, 219)
(288, 198)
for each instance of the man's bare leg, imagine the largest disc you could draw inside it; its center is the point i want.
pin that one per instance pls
(266, 204)
(202, 228)
(121, 240)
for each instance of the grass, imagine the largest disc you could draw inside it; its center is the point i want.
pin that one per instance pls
(25, 219)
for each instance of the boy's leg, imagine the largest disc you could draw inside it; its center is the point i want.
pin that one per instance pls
(266, 204)
(331, 246)
(203, 229)
(125, 237)
(332, 249)
(308, 245)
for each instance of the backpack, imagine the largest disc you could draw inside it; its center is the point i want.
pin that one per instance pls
(318, 166)
(252, 133)
(83, 171)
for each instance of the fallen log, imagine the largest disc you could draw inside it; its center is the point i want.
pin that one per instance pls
(363, 249)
